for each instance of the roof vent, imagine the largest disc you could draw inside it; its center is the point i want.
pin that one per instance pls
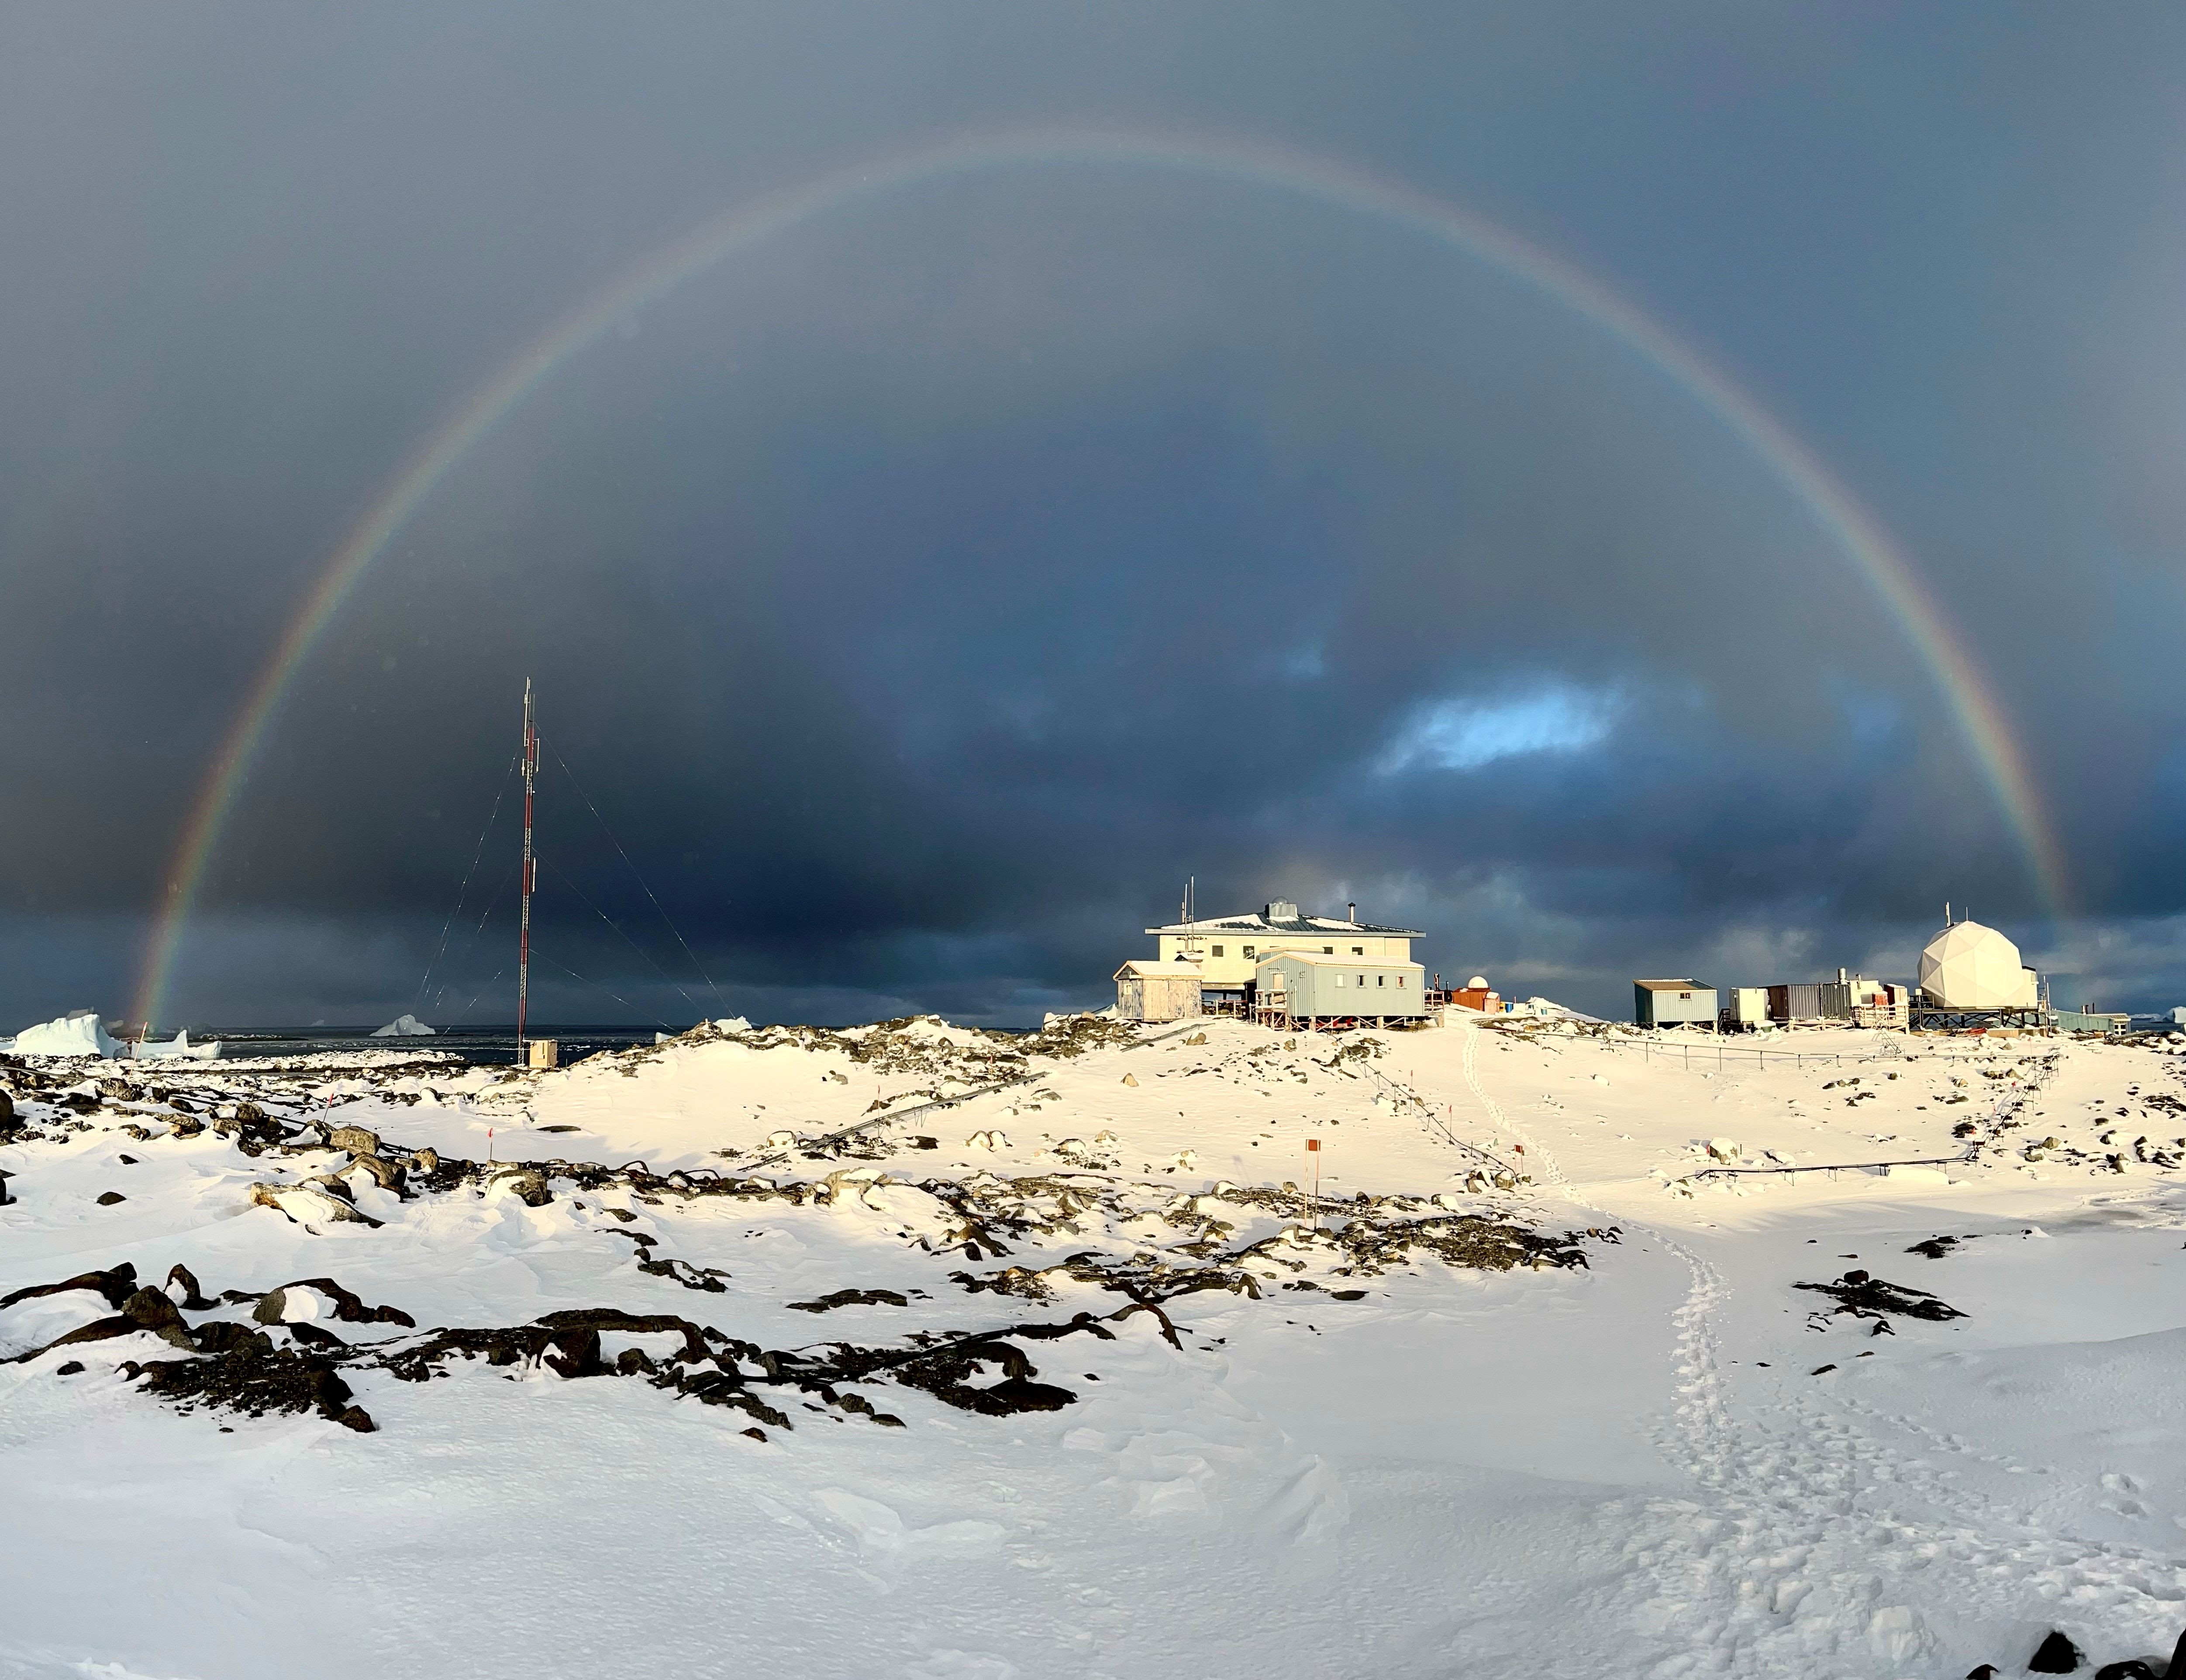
(1280, 911)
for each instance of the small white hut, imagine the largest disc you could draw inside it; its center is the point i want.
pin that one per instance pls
(1158, 991)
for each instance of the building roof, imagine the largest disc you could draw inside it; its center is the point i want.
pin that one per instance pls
(1674, 985)
(1260, 922)
(1319, 960)
(1147, 969)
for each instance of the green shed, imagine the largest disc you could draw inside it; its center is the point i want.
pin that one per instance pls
(1306, 988)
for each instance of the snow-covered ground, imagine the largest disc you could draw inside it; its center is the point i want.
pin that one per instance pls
(1532, 1390)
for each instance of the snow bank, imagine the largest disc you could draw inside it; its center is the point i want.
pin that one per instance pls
(403, 1027)
(1548, 1009)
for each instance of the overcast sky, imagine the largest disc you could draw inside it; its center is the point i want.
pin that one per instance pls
(922, 593)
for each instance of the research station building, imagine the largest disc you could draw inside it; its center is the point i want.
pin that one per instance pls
(1306, 989)
(1228, 950)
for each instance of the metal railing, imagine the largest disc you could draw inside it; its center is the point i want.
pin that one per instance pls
(1882, 1049)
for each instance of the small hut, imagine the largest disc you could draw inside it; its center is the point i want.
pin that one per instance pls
(1673, 1003)
(1158, 991)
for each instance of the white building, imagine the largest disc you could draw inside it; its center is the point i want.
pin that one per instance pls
(1229, 949)
(1968, 966)
(1158, 991)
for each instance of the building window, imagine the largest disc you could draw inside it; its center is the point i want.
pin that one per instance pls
(1381, 979)
(1339, 980)
(1328, 950)
(1400, 982)
(1248, 950)
(1362, 979)
(1217, 950)
(1358, 950)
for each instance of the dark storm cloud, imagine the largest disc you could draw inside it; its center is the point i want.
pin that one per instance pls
(922, 596)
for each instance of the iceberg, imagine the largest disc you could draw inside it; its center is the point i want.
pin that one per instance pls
(403, 1027)
(178, 1048)
(78, 1032)
(81, 1033)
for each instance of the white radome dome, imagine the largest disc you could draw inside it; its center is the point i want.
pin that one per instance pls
(1477, 983)
(1970, 966)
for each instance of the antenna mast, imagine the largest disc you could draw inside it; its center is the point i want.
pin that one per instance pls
(529, 873)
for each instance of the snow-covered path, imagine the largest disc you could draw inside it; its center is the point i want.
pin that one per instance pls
(1823, 1536)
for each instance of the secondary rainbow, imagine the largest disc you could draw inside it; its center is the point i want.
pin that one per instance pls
(1980, 718)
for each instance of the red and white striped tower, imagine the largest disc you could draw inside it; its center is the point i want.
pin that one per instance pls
(529, 873)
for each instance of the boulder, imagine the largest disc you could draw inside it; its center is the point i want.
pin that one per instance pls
(526, 1184)
(306, 1204)
(221, 1336)
(2055, 1655)
(180, 1277)
(114, 1286)
(578, 1355)
(354, 1138)
(151, 1309)
(386, 1173)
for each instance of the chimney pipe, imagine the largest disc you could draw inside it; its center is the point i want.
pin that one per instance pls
(1354, 916)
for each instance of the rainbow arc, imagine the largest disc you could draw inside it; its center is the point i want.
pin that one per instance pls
(1977, 713)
